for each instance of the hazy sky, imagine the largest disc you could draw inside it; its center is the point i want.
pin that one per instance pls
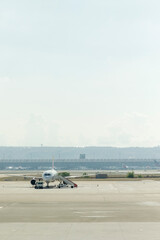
(80, 72)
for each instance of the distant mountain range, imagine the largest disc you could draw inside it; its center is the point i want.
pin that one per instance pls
(74, 152)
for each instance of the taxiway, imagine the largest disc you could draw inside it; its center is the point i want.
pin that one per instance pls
(94, 210)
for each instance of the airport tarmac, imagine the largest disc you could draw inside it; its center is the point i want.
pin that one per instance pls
(114, 210)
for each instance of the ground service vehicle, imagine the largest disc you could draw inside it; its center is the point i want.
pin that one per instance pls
(39, 185)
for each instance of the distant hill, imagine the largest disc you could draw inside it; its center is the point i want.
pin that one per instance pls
(74, 152)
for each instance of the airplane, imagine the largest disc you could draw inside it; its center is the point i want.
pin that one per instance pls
(9, 168)
(51, 176)
(125, 166)
(16, 168)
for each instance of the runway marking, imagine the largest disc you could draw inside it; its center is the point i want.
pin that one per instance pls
(83, 212)
(95, 216)
(151, 204)
(79, 212)
(101, 211)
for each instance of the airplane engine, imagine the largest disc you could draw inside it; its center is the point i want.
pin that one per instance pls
(33, 181)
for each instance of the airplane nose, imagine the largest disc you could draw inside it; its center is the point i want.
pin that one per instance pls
(47, 177)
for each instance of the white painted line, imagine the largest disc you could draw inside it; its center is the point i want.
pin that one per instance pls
(80, 212)
(95, 216)
(151, 204)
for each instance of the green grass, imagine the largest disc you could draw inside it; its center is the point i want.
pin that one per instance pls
(130, 175)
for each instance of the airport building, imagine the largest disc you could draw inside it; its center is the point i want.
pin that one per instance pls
(79, 164)
(79, 158)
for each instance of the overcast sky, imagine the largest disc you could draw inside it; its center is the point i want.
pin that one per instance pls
(80, 73)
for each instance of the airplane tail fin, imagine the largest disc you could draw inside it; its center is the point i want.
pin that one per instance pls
(53, 163)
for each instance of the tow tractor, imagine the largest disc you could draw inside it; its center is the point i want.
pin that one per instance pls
(39, 185)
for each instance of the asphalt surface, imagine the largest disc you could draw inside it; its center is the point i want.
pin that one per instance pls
(94, 210)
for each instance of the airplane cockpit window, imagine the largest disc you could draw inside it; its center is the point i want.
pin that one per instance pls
(47, 174)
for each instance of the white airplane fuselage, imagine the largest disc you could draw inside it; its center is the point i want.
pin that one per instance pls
(49, 175)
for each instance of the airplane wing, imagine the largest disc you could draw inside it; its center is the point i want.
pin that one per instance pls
(81, 176)
(24, 176)
(34, 177)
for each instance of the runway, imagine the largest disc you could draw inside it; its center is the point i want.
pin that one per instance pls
(94, 210)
